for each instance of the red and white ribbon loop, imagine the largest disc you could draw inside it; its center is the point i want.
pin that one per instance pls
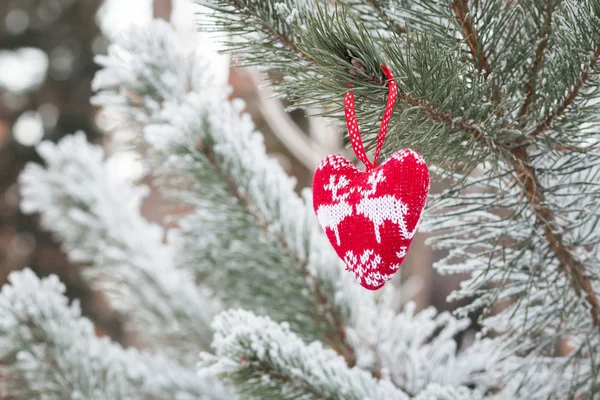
(352, 122)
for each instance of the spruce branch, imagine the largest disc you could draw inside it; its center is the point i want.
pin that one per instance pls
(571, 96)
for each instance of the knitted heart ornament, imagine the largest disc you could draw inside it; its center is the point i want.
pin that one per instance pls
(371, 217)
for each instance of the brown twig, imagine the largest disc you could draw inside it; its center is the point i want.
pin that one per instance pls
(574, 149)
(570, 98)
(461, 10)
(479, 57)
(535, 67)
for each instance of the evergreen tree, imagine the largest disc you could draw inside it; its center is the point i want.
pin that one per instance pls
(500, 99)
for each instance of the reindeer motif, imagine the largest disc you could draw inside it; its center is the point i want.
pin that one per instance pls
(331, 215)
(383, 208)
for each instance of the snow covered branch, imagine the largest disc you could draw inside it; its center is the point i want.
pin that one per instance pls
(527, 231)
(145, 68)
(47, 350)
(265, 358)
(98, 222)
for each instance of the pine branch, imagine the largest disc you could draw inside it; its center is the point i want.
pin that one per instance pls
(279, 36)
(526, 175)
(532, 253)
(338, 339)
(264, 358)
(407, 339)
(525, 172)
(342, 54)
(200, 145)
(439, 116)
(537, 63)
(219, 162)
(541, 128)
(446, 118)
(476, 48)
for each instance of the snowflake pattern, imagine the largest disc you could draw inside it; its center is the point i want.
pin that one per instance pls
(366, 267)
(334, 161)
(401, 155)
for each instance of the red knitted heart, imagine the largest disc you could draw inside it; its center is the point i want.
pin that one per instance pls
(370, 217)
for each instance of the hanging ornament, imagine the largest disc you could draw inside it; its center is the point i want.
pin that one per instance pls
(370, 217)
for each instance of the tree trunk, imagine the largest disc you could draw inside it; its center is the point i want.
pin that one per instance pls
(162, 9)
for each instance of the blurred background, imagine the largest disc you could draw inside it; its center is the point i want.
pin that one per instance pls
(47, 50)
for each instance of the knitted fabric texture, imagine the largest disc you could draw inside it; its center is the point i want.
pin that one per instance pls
(370, 218)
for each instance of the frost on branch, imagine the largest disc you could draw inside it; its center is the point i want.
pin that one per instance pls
(98, 222)
(48, 351)
(265, 358)
(144, 68)
(416, 350)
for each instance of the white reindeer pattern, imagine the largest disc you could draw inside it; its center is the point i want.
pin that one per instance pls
(383, 208)
(331, 215)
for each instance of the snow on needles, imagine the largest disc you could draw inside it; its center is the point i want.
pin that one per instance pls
(47, 350)
(98, 221)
